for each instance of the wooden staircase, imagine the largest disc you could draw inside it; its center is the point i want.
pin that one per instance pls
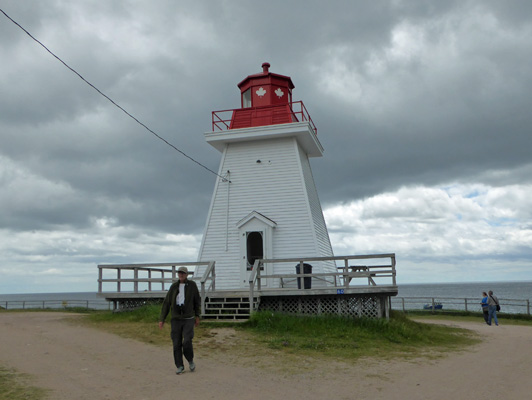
(231, 307)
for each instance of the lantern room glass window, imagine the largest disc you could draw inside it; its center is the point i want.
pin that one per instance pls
(246, 98)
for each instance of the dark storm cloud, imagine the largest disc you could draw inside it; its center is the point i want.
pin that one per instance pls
(435, 129)
(404, 94)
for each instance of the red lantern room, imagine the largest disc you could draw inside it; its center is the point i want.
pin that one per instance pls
(266, 99)
(266, 89)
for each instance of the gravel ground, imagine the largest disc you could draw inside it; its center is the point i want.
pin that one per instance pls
(77, 362)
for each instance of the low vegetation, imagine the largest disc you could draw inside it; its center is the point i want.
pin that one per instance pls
(316, 336)
(348, 338)
(17, 386)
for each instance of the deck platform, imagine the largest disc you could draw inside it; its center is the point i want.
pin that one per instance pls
(354, 290)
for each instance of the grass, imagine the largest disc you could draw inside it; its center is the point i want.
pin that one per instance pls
(315, 336)
(295, 344)
(17, 386)
(349, 339)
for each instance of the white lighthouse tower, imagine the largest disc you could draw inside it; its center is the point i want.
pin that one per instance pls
(267, 206)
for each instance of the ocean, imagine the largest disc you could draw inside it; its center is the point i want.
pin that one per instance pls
(513, 297)
(54, 300)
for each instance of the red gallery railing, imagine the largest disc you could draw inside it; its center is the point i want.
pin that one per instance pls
(221, 120)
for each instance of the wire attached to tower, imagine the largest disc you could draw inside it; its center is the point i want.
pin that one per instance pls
(111, 100)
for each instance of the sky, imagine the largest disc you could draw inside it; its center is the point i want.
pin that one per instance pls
(423, 109)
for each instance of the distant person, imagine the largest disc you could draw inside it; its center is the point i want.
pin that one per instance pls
(485, 307)
(493, 302)
(184, 301)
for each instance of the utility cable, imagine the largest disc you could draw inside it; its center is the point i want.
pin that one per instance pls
(111, 100)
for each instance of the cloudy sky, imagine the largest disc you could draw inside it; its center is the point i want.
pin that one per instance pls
(423, 108)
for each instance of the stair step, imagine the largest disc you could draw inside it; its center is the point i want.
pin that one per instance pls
(229, 308)
(229, 304)
(227, 311)
(226, 317)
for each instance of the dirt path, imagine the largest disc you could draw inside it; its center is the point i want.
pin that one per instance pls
(77, 362)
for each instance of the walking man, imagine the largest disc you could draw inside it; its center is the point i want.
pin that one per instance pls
(184, 301)
(493, 302)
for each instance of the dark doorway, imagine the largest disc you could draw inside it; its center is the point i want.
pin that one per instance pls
(254, 248)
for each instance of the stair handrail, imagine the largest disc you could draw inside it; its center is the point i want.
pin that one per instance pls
(254, 278)
(209, 274)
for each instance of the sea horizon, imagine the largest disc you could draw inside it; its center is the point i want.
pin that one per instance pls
(398, 284)
(515, 296)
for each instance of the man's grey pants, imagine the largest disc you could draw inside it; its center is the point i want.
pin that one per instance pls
(182, 335)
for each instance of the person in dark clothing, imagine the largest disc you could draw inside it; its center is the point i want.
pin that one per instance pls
(493, 302)
(184, 301)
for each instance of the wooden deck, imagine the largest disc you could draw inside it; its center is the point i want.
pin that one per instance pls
(363, 290)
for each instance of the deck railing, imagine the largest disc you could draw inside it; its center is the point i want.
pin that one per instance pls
(345, 277)
(139, 278)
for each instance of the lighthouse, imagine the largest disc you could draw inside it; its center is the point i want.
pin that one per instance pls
(265, 204)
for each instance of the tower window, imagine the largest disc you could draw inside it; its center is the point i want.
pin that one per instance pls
(246, 98)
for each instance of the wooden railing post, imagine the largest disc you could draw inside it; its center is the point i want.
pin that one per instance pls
(393, 270)
(100, 277)
(258, 265)
(251, 296)
(213, 276)
(346, 271)
(203, 297)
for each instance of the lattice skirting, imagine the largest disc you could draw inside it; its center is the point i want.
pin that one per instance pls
(371, 306)
(131, 304)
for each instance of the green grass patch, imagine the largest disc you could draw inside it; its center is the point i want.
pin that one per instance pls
(276, 334)
(147, 314)
(331, 336)
(140, 324)
(17, 386)
(348, 338)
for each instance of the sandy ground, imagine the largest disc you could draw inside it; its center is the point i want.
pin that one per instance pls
(77, 362)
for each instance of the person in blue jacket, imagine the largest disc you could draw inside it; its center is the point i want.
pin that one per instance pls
(484, 304)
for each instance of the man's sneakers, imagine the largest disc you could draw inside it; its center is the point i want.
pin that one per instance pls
(181, 369)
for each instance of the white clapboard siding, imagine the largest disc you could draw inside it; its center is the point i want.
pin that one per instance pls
(271, 177)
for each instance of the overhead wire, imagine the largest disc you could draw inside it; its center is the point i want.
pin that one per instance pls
(111, 100)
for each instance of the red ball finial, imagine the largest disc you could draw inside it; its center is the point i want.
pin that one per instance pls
(265, 67)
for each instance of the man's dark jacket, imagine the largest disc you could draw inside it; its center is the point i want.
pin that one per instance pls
(192, 306)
